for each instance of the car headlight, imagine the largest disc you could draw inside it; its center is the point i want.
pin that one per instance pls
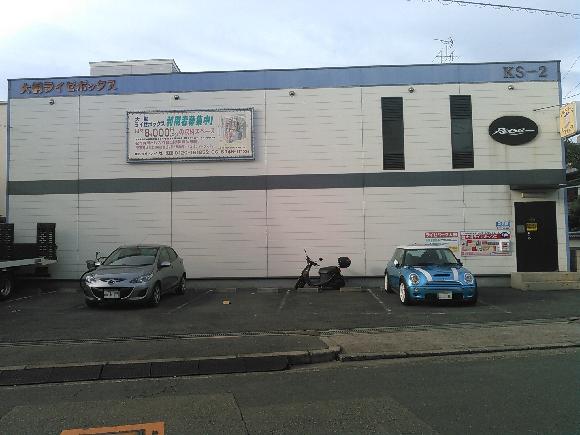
(143, 278)
(468, 278)
(414, 278)
(90, 279)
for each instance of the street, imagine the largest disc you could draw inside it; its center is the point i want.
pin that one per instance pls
(513, 393)
(507, 365)
(41, 312)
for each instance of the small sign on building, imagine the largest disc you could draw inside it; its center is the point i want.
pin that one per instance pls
(568, 120)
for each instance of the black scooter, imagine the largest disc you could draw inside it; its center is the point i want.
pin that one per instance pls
(329, 277)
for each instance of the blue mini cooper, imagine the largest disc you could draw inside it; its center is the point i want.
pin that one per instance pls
(429, 273)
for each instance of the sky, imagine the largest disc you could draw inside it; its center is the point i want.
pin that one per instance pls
(55, 38)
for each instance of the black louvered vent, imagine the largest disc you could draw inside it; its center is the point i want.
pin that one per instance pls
(392, 108)
(462, 160)
(393, 133)
(460, 106)
(393, 161)
(461, 131)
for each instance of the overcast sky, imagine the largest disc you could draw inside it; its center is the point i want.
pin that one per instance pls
(52, 38)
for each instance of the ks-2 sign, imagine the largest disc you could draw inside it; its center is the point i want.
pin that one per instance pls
(513, 130)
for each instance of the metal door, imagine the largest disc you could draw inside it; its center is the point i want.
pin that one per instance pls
(536, 239)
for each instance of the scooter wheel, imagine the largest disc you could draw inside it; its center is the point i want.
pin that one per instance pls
(299, 284)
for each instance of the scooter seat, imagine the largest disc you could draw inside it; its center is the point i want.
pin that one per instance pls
(328, 269)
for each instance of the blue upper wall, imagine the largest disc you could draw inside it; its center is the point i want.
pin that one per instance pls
(284, 79)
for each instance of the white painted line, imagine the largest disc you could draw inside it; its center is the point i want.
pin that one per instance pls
(494, 306)
(283, 302)
(187, 303)
(387, 309)
(19, 299)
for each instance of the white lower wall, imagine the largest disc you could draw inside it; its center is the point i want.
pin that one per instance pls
(220, 234)
(263, 233)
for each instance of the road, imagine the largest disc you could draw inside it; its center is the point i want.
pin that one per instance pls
(510, 393)
(44, 313)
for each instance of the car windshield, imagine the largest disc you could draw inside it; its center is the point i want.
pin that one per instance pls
(133, 256)
(424, 257)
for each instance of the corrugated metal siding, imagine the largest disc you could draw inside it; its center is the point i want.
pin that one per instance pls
(327, 223)
(315, 131)
(44, 139)
(263, 232)
(221, 233)
(494, 100)
(108, 220)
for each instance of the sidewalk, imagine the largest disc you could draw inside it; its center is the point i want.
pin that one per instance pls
(37, 362)
(456, 339)
(143, 357)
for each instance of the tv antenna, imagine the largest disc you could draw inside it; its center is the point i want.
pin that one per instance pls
(446, 54)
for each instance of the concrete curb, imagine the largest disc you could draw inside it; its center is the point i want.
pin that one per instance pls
(430, 353)
(94, 371)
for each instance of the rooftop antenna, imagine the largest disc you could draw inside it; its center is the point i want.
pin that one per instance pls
(446, 54)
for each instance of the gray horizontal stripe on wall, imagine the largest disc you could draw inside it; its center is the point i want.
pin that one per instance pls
(547, 178)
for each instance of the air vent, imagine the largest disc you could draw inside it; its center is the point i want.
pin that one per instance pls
(462, 160)
(460, 106)
(394, 161)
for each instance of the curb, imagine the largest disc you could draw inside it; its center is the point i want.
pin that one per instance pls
(95, 371)
(430, 353)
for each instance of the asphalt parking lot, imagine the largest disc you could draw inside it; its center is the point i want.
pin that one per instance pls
(41, 311)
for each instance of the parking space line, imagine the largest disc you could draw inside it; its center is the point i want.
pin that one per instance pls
(187, 303)
(494, 306)
(283, 302)
(387, 309)
(19, 299)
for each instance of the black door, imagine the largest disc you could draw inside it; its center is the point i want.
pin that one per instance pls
(536, 241)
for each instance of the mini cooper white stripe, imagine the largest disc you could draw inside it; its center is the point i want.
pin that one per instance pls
(425, 273)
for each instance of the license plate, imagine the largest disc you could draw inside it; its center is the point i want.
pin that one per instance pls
(445, 295)
(112, 294)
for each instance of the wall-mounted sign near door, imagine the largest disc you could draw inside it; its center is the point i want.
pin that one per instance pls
(513, 130)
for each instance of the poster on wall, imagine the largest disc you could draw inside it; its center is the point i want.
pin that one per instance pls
(449, 239)
(193, 135)
(485, 243)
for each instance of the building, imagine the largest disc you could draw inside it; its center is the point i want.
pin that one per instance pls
(240, 171)
(3, 160)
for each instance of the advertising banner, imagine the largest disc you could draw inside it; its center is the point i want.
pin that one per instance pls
(450, 239)
(486, 243)
(194, 135)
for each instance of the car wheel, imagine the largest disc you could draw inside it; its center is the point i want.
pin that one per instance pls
(388, 286)
(404, 294)
(6, 285)
(155, 296)
(91, 304)
(180, 289)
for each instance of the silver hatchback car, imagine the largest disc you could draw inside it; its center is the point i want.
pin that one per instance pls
(140, 273)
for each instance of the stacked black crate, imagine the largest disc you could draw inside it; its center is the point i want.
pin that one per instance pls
(46, 240)
(6, 241)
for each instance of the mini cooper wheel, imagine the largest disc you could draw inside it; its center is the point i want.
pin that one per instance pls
(155, 296)
(404, 294)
